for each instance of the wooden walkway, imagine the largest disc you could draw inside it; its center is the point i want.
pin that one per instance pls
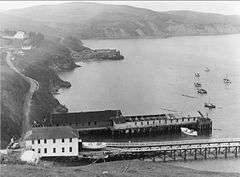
(171, 150)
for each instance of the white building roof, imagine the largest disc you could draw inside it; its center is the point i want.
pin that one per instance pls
(51, 133)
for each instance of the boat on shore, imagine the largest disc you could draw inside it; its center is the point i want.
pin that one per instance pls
(188, 131)
(93, 145)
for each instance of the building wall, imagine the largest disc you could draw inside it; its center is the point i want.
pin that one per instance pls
(153, 123)
(87, 124)
(19, 35)
(58, 145)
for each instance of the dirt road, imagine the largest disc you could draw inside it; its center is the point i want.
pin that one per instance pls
(34, 86)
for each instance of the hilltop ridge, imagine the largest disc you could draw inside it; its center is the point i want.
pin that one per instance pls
(120, 21)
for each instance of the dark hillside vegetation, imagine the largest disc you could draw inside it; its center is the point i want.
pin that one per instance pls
(13, 91)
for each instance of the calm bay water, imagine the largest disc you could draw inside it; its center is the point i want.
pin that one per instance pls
(156, 73)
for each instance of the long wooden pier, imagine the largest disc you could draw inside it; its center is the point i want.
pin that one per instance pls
(170, 150)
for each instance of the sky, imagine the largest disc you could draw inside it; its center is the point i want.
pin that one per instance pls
(222, 7)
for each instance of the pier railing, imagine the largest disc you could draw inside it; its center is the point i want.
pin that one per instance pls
(170, 150)
(180, 144)
(154, 121)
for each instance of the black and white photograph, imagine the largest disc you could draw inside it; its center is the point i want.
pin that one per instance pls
(120, 88)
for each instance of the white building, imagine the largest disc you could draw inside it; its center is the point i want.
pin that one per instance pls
(26, 47)
(53, 141)
(20, 35)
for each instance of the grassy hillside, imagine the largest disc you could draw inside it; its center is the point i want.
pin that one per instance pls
(133, 168)
(93, 20)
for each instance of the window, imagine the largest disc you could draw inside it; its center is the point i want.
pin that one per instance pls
(54, 150)
(45, 141)
(54, 140)
(89, 123)
(95, 122)
(135, 123)
(33, 149)
(182, 119)
(76, 124)
(38, 141)
(57, 125)
(63, 149)
(70, 149)
(39, 150)
(153, 122)
(32, 141)
(62, 140)
(45, 150)
(147, 122)
(142, 123)
(188, 119)
(70, 140)
(176, 120)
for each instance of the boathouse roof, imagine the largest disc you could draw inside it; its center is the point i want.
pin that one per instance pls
(51, 133)
(82, 117)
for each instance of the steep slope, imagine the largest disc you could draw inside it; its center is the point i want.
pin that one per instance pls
(42, 64)
(13, 91)
(93, 20)
(39, 65)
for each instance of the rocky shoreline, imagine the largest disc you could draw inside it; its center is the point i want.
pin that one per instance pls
(43, 63)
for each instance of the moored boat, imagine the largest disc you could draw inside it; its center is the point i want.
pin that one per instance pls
(93, 145)
(197, 74)
(226, 80)
(206, 69)
(188, 131)
(209, 105)
(197, 84)
(202, 91)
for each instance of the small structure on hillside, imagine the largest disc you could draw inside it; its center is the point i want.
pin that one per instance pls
(26, 47)
(53, 141)
(20, 35)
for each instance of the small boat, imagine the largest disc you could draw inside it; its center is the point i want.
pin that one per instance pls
(209, 105)
(197, 84)
(93, 145)
(226, 80)
(188, 131)
(197, 74)
(206, 69)
(202, 91)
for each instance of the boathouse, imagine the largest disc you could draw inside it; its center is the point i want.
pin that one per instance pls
(113, 122)
(53, 141)
(86, 121)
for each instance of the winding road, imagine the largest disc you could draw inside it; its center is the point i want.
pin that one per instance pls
(34, 86)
